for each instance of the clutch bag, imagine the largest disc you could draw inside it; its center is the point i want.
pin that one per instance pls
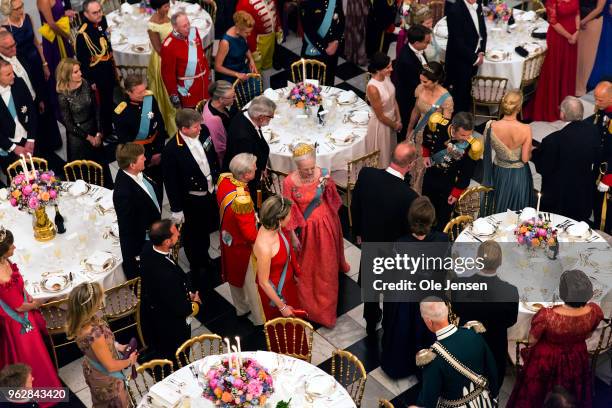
(46, 31)
(521, 51)
(300, 313)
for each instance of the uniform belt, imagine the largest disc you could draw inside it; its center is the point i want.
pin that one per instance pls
(192, 77)
(146, 141)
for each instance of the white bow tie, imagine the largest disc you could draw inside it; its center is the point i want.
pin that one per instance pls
(474, 6)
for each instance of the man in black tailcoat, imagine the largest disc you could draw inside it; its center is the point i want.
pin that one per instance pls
(381, 16)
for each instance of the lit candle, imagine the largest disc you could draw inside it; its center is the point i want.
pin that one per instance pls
(32, 163)
(237, 359)
(24, 165)
(239, 352)
(303, 71)
(538, 207)
(229, 351)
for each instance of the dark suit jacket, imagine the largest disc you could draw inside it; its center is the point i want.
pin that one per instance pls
(181, 171)
(380, 205)
(312, 13)
(135, 214)
(243, 137)
(27, 114)
(461, 51)
(568, 190)
(408, 67)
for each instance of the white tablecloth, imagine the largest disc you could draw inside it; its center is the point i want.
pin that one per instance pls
(292, 130)
(289, 382)
(500, 40)
(85, 231)
(129, 30)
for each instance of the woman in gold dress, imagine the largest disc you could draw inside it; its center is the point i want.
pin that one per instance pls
(158, 28)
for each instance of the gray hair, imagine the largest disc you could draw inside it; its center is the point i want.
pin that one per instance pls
(176, 16)
(186, 118)
(463, 120)
(572, 108)
(434, 308)
(241, 164)
(218, 89)
(261, 106)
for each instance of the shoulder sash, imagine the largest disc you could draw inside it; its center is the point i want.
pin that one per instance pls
(145, 120)
(192, 62)
(311, 50)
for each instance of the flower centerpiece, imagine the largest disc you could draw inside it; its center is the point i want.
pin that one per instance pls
(238, 383)
(305, 94)
(537, 233)
(497, 11)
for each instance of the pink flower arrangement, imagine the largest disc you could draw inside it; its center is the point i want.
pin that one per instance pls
(497, 11)
(251, 386)
(536, 233)
(305, 95)
(30, 194)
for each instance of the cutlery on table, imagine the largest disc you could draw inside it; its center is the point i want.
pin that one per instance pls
(473, 236)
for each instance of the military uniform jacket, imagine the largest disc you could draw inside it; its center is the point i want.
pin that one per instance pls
(311, 14)
(97, 69)
(603, 120)
(126, 123)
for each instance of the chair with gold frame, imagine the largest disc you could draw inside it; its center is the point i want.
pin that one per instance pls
(273, 183)
(16, 167)
(200, 105)
(383, 403)
(518, 346)
(125, 70)
(75, 24)
(347, 183)
(108, 6)
(55, 314)
(454, 227)
(123, 301)
(290, 336)
(199, 347)
(315, 69)
(247, 90)
(469, 202)
(534, 5)
(86, 170)
(149, 374)
(210, 6)
(350, 373)
(604, 344)
(531, 74)
(488, 92)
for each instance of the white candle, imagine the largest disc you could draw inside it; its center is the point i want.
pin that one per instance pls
(239, 351)
(24, 165)
(229, 351)
(538, 207)
(303, 71)
(32, 163)
(238, 364)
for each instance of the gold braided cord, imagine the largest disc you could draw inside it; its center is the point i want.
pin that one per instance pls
(96, 52)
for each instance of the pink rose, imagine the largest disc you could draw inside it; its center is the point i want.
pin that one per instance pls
(251, 372)
(52, 194)
(45, 177)
(19, 179)
(213, 383)
(13, 201)
(521, 239)
(249, 397)
(26, 190)
(254, 387)
(33, 202)
(238, 383)
(542, 232)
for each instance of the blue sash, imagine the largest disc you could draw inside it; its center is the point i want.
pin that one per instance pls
(316, 201)
(151, 191)
(311, 50)
(116, 374)
(281, 282)
(192, 62)
(145, 120)
(26, 326)
(423, 121)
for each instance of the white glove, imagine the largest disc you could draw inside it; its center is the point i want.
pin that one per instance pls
(178, 217)
(603, 187)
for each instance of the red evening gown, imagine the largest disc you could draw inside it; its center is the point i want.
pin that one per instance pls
(558, 75)
(559, 357)
(28, 348)
(322, 253)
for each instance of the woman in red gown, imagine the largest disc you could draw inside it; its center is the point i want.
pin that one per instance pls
(558, 353)
(315, 216)
(558, 75)
(21, 324)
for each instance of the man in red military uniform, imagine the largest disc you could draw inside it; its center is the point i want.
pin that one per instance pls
(266, 32)
(184, 69)
(238, 230)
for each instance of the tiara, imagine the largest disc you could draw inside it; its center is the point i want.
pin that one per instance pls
(91, 293)
(428, 69)
(303, 149)
(2, 233)
(282, 204)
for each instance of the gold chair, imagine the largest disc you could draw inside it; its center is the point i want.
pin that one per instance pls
(75, 24)
(125, 70)
(518, 346)
(199, 347)
(603, 345)
(531, 74)
(123, 301)
(469, 202)
(200, 105)
(454, 227)
(534, 5)
(55, 314)
(488, 92)
(149, 373)
(247, 90)
(273, 183)
(16, 167)
(290, 336)
(177, 247)
(349, 372)
(437, 10)
(347, 184)
(383, 403)
(314, 70)
(211, 8)
(86, 170)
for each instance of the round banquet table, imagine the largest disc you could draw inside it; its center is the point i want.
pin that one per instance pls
(498, 39)
(87, 231)
(289, 127)
(290, 380)
(591, 254)
(129, 37)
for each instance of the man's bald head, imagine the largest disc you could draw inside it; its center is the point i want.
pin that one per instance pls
(603, 94)
(403, 157)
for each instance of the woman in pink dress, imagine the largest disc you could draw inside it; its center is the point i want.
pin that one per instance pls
(21, 324)
(316, 231)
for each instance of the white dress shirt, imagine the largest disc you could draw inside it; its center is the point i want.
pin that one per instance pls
(20, 71)
(394, 172)
(20, 132)
(198, 153)
(419, 54)
(138, 179)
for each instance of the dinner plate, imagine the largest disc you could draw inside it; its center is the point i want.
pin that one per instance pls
(320, 385)
(495, 55)
(111, 264)
(359, 118)
(54, 283)
(348, 102)
(140, 48)
(533, 306)
(87, 189)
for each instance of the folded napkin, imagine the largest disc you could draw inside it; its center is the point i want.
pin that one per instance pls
(271, 94)
(320, 385)
(532, 48)
(342, 136)
(347, 96)
(527, 213)
(127, 8)
(312, 82)
(541, 35)
(360, 116)
(99, 261)
(77, 188)
(521, 51)
(106, 203)
(482, 227)
(526, 16)
(579, 229)
(164, 395)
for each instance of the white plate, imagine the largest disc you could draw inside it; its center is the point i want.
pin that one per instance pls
(360, 117)
(320, 385)
(348, 99)
(74, 193)
(495, 55)
(54, 283)
(110, 265)
(579, 230)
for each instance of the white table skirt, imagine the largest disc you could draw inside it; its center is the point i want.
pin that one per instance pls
(293, 130)
(85, 231)
(289, 382)
(129, 31)
(499, 40)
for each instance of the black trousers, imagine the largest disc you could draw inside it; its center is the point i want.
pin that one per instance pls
(437, 185)
(460, 89)
(372, 313)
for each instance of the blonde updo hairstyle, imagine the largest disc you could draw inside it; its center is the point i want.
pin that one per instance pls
(243, 20)
(6, 7)
(511, 102)
(83, 303)
(274, 210)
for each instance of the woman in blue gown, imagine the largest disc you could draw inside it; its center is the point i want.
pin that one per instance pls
(602, 69)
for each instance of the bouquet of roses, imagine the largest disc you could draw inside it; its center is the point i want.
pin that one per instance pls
(497, 11)
(249, 386)
(305, 95)
(536, 233)
(35, 190)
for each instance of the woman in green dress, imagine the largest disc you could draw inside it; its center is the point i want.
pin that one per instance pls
(158, 28)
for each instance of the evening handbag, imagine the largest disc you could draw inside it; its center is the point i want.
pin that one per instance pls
(131, 347)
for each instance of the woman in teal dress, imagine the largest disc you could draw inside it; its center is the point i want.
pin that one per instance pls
(234, 59)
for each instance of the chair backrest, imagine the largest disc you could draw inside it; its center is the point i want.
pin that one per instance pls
(273, 183)
(199, 347)
(211, 8)
(469, 201)
(534, 5)
(247, 90)
(488, 90)
(456, 225)
(383, 403)
(55, 314)
(531, 69)
(200, 105)
(125, 70)
(16, 167)
(314, 70)
(86, 170)
(354, 166)
(437, 10)
(350, 373)
(290, 336)
(75, 23)
(604, 344)
(149, 373)
(122, 300)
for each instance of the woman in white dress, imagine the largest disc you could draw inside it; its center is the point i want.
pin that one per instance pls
(386, 120)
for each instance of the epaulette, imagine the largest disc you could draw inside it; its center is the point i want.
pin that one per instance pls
(195, 309)
(119, 108)
(476, 148)
(83, 28)
(222, 177)
(476, 326)
(242, 204)
(148, 92)
(424, 357)
(167, 40)
(436, 119)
